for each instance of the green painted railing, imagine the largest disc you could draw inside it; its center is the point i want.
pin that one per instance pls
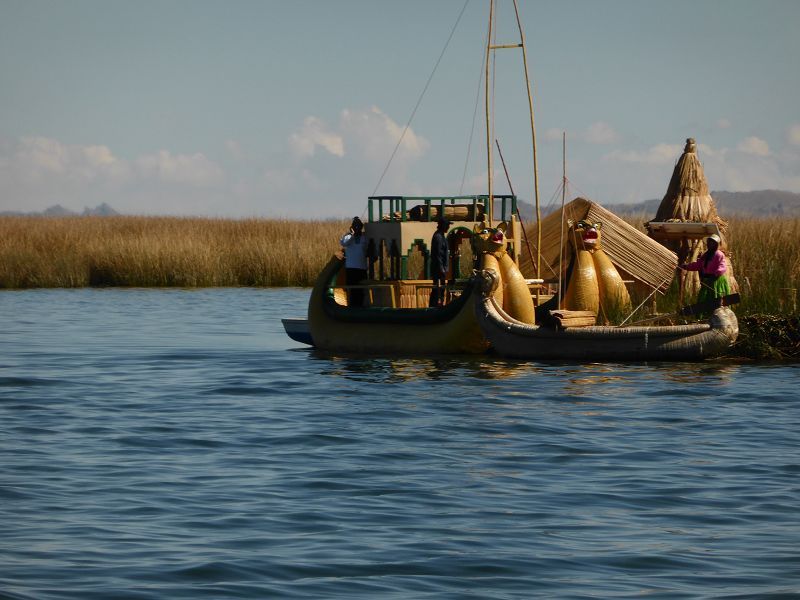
(398, 205)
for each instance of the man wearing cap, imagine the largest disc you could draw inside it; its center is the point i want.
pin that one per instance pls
(440, 262)
(712, 268)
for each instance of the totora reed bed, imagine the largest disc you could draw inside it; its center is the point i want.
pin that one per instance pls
(162, 251)
(47, 252)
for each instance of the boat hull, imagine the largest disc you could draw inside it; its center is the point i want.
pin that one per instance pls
(298, 330)
(514, 339)
(379, 330)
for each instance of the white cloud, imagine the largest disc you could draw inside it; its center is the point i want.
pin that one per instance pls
(315, 133)
(793, 134)
(376, 135)
(38, 158)
(553, 135)
(753, 145)
(37, 172)
(600, 133)
(370, 138)
(195, 170)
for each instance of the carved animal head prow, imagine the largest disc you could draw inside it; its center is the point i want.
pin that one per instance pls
(490, 240)
(585, 234)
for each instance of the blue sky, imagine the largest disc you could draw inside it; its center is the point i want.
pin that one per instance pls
(292, 109)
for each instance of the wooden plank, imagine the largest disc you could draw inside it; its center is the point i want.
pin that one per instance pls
(675, 230)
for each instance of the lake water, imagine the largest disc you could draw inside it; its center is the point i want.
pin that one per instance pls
(176, 444)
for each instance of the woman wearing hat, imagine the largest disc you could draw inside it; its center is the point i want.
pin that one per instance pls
(712, 267)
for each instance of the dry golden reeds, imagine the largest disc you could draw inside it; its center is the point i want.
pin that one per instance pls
(162, 251)
(196, 252)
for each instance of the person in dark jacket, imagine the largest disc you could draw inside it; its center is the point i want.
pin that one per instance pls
(440, 262)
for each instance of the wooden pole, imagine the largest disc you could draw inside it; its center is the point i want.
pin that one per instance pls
(490, 200)
(563, 198)
(533, 142)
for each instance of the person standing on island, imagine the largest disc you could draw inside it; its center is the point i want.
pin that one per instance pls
(440, 262)
(355, 261)
(712, 268)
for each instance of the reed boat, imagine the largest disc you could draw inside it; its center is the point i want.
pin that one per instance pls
(514, 339)
(490, 305)
(395, 317)
(386, 330)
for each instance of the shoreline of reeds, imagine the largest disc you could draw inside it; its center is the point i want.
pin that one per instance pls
(128, 251)
(139, 251)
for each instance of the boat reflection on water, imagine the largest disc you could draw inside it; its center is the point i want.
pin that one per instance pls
(397, 370)
(591, 380)
(604, 380)
(703, 373)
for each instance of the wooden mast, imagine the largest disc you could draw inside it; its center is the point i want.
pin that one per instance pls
(489, 48)
(533, 143)
(563, 198)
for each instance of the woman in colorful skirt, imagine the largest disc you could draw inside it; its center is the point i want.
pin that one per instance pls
(712, 267)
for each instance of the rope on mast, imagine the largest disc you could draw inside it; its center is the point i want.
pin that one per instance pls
(421, 96)
(519, 215)
(472, 130)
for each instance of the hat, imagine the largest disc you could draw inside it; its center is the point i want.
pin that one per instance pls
(443, 221)
(714, 237)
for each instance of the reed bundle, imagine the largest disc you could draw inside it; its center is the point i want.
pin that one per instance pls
(573, 318)
(631, 251)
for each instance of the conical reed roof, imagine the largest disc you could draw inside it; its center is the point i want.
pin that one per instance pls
(687, 197)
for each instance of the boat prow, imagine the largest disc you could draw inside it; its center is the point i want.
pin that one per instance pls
(514, 339)
(387, 330)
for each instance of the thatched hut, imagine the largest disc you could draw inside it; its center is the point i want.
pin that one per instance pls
(637, 257)
(688, 201)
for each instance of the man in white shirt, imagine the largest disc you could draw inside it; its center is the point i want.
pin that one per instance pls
(354, 243)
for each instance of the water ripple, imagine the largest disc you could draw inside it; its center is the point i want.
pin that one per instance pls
(176, 444)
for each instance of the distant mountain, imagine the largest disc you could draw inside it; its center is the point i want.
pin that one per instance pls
(761, 203)
(56, 211)
(101, 210)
